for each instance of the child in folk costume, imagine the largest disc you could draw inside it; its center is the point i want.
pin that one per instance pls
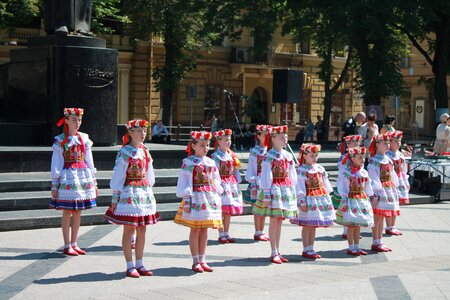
(401, 170)
(252, 175)
(350, 141)
(314, 201)
(199, 186)
(74, 187)
(133, 203)
(384, 185)
(355, 189)
(277, 196)
(228, 164)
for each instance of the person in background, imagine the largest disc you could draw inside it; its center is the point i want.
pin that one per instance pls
(350, 125)
(309, 131)
(160, 134)
(388, 126)
(368, 130)
(440, 145)
(320, 129)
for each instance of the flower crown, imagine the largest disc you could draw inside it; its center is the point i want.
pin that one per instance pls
(308, 148)
(352, 138)
(382, 137)
(221, 133)
(200, 135)
(279, 129)
(398, 134)
(73, 111)
(136, 124)
(264, 128)
(357, 150)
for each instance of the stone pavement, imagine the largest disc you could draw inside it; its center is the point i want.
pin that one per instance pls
(33, 267)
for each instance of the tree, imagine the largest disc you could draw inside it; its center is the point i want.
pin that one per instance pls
(427, 25)
(16, 12)
(186, 27)
(324, 23)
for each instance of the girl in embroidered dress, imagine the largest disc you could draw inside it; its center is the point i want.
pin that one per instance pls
(74, 187)
(277, 196)
(228, 164)
(350, 141)
(384, 184)
(354, 188)
(199, 186)
(252, 176)
(313, 199)
(401, 170)
(133, 204)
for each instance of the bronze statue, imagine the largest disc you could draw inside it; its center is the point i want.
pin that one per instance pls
(65, 16)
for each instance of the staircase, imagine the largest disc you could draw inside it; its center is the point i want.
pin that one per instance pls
(25, 184)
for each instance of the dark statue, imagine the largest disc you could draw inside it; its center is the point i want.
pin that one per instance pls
(64, 16)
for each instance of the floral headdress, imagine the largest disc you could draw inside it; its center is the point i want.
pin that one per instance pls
(307, 148)
(137, 123)
(198, 136)
(267, 129)
(347, 140)
(72, 111)
(353, 152)
(220, 133)
(377, 139)
(279, 129)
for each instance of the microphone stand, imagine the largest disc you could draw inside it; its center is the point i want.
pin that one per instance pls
(234, 112)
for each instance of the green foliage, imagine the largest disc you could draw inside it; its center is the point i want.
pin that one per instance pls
(107, 16)
(15, 12)
(252, 109)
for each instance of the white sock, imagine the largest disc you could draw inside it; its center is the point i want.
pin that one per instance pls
(389, 227)
(133, 239)
(274, 252)
(258, 232)
(350, 247)
(67, 246)
(222, 234)
(225, 233)
(307, 248)
(356, 246)
(195, 259)
(73, 245)
(202, 258)
(139, 263)
(345, 230)
(130, 265)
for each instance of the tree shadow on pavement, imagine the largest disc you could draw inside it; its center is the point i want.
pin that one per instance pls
(34, 256)
(178, 243)
(89, 277)
(242, 262)
(109, 248)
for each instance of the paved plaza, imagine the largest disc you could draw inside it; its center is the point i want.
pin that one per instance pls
(33, 266)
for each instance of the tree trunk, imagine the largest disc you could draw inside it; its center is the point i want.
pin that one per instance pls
(168, 87)
(440, 63)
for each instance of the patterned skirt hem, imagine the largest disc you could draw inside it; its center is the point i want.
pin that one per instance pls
(313, 223)
(350, 224)
(385, 212)
(130, 220)
(274, 213)
(73, 204)
(232, 210)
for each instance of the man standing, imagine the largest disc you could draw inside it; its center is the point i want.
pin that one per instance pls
(350, 125)
(160, 134)
(320, 129)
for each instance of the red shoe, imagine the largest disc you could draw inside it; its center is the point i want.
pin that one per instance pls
(284, 260)
(70, 251)
(362, 252)
(133, 245)
(197, 268)
(379, 248)
(344, 236)
(386, 248)
(79, 251)
(276, 259)
(353, 253)
(133, 273)
(230, 239)
(393, 231)
(317, 255)
(262, 237)
(205, 267)
(223, 240)
(310, 256)
(144, 272)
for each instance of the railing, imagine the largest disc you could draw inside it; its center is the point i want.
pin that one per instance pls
(180, 133)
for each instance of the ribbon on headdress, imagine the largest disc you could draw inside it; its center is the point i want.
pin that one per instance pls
(346, 157)
(372, 150)
(188, 149)
(125, 139)
(342, 147)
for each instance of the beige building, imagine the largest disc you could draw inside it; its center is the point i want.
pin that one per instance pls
(231, 66)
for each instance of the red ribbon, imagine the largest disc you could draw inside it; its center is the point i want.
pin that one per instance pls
(188, 149)
(125, 139)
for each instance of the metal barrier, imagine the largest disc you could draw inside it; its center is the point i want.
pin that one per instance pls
(180, 133)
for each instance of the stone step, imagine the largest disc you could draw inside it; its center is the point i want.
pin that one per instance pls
(45, 218)
(40, 181)
(40, 199)
(38, 159)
